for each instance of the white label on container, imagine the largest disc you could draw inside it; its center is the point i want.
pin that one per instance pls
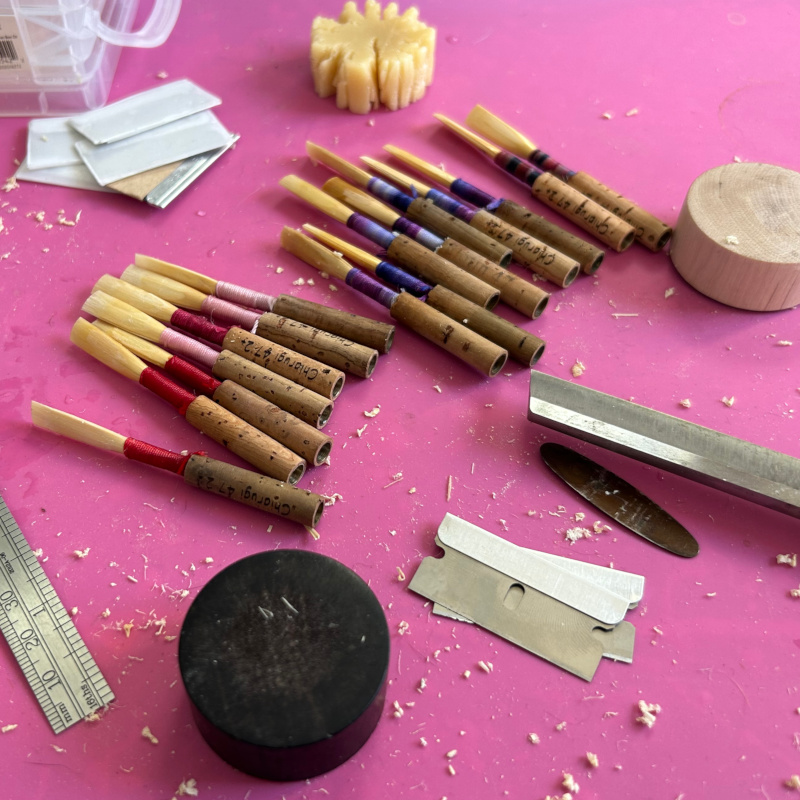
(12, 49)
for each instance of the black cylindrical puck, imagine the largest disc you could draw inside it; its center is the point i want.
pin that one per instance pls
(284, 655)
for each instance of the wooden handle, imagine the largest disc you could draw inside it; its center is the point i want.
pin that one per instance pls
(520, 294)
(303, 403)
(470, 347)
(528, 250)
(649, 230)
(521, 345)
(251, 489)
(336, 351)
(585, 253)
(298, 436)
(585, 213)
(439, 221)
(435, 269)
(366, 331)
(301, 369)
(255, 447)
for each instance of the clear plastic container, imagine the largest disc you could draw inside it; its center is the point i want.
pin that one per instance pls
(58, 57)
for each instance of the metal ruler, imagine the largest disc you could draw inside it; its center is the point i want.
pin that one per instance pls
(56, 662)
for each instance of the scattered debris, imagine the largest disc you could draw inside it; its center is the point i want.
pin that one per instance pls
(148, 734)
(593, 760)
(578, 368)
(7, 728)
(790, 559)
(731, 240)
(648, 713)
(533, 738)
(729, 401)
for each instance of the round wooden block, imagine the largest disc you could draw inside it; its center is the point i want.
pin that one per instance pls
(737, 239)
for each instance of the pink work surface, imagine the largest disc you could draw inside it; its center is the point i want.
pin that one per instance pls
(644, 96)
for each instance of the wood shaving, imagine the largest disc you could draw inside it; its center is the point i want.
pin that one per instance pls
(398, 710)
(794, 782)
(403, 627)
(578, 368)
(561, 725)
(632, 113)
(423, 742)
(451, 754)
(669, 292)
(401, 576)
(127, 627)
(58, 749)
(10, 184)
(374, 413)
(330, 499)
(729, 401)
(648, 713)
(686, 403)
(81, 553)
(784, 343)
(423, 683)
(148, 734)
(569, 783)
(795, 593)
(466, 673)
(607, 115)
(8, 728)
(396, 478)
(572, 535)
(533, 738)
(451, 769)
(592, 759)
(188, 788)
(449, 490)
(486, 666)
(731, 240)
(790, 559)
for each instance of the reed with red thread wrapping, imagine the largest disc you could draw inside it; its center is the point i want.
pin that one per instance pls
(366, 331)
(521, 345)
(467, 346)
(335, 351)
(305, 371)
(553, 192)
(300, 437)
(650, 231)
(217, 477)
(400, 249)
(255, 447)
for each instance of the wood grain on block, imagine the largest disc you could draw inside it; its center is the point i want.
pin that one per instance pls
(737, 239)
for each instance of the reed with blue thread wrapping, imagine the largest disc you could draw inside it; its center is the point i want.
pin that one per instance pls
(554, 193)
(650, 231)
(466, 345)
(400, 249)
(521, 345)
(527, 250)
(515, 292)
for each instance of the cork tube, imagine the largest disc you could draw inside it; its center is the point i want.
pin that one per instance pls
(516, 292)
(485, 356)
(585, 213)
(300, 437)
(301, 369)
(521, 345)
(336, 351)
(528, 251)
(302, 403)
(435, 269)
(430, 216)
(585, 253)
(255, 447)
(369, 332)
(265, 494)
(649, 230)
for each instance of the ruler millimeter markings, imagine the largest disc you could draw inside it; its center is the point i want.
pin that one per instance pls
(53, 657)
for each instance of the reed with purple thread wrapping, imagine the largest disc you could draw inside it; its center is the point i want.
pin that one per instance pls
(284, 393)
(526, 250)
(290, 431)
(554, 193)
(469, 347)
(369, 332)
(335, 351)
(399, 247)
(217, 477)
(521, 345)
(255, 447)
(519, 294)
(416, 210)
(650, 231)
